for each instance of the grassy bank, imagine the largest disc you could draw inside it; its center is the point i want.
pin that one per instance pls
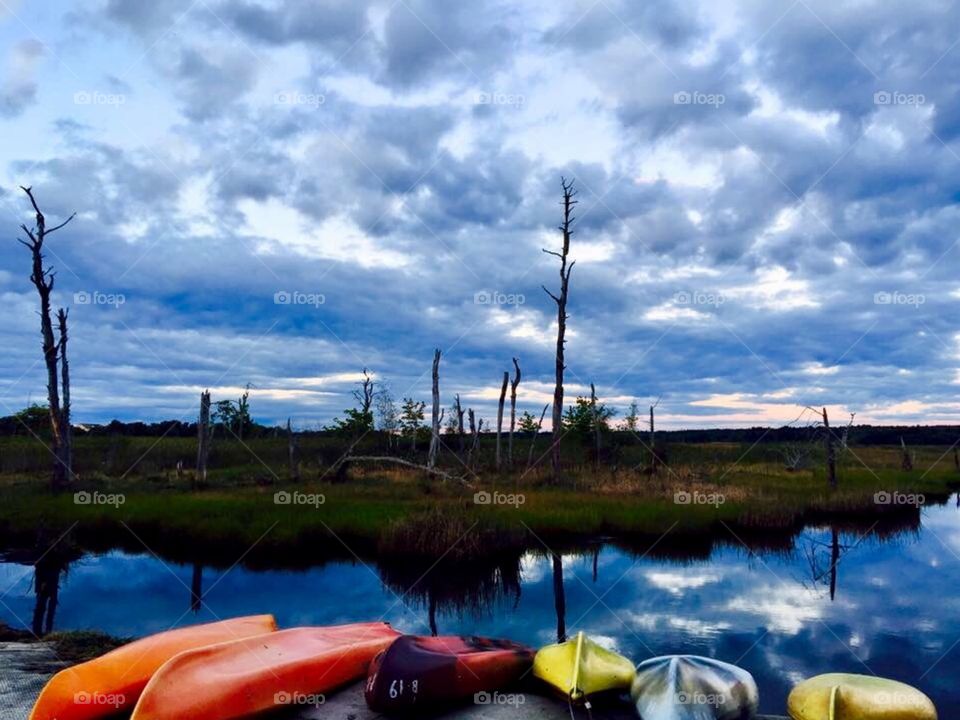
(238, 511)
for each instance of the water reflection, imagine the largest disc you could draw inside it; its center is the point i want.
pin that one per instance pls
(196, 588)
(851, 596)
(458, 588)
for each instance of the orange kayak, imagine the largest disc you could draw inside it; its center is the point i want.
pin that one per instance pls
(239, 678)
(114, 681)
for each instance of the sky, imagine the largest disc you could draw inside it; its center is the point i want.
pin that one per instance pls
(282, 193)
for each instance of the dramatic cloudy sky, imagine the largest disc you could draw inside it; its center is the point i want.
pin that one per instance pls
(768, 197)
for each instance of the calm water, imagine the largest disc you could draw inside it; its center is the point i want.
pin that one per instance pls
(895, 609)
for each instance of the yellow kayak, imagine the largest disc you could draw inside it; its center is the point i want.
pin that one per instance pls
(580, 667)
(840, 696)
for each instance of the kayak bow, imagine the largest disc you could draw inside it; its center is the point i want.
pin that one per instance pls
(114, 681)
(580, 667)
(841, 696)
(418, 672)
(689, 687)
(244, 677)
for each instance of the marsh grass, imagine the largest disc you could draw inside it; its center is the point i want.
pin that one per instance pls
(399, 510)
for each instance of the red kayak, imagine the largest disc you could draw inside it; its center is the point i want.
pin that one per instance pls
(428, 672)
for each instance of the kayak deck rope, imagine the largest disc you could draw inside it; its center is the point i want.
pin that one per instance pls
(575, 691)
(832, 710)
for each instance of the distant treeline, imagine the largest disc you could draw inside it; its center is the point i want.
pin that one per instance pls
(857, 435)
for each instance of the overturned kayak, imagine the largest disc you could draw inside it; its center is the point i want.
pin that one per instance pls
(580, 667)
(841, 696)
(243, 677)
(429, 672)
(114, 681)
(689, 687)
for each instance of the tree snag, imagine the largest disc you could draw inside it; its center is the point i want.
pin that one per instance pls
(906, 460)
(203, 436)
(503, 395)
(568, 202)
(65, 394)
(596, 426)
(459, 410)
(513, 409)
(533, 440)
(475, 430)
(435, 416)
(43, 280)
(293, 467)
(831, 452)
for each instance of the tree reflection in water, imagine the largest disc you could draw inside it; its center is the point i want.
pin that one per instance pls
(53, 556)
(474, 587)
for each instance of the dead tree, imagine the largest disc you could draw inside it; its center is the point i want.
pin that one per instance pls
(596, 426)
(513, 409)
(906, 461)
(405, 463)
(364, 396)
(568, 203)
(435, 416)
(203, 436)
(43, 280)
(503, 395)
(293, 467)
(459, 410)
(475, 430)
(831, 451)
(65, 393)
(654, 460)
(533, 440)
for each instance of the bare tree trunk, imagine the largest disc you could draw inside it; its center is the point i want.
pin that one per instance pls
(65, 427)
(203, 436)
(653, 445)
(906, 462)
(406, 463)
(831, 453)
(475, 429)
(43, 280)
(473, 437)
(533, 440)
(513, 409)
(561, 300)
(293, 467)
(459, 409)
(596, 427)
(503, 395)
(435, 416)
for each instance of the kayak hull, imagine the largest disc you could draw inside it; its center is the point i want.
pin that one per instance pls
(432, 672)
(113, 681)
(580, 667)
(689, 687)
(858, 697)
(243, 677)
